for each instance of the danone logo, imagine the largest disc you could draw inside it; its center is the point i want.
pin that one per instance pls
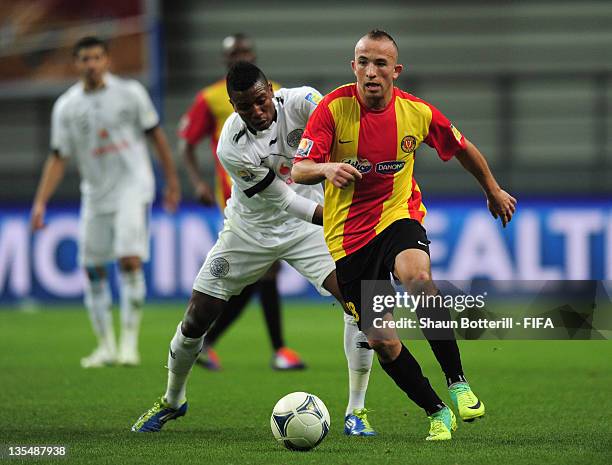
(362, 165)
(389, 167)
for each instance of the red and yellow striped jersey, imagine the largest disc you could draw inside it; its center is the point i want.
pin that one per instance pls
(205, 118)
(381, 144)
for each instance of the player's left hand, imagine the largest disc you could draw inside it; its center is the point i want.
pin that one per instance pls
(172, 196)
(501, 205)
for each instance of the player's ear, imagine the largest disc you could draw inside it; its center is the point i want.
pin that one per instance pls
(270, 88)
(397, 70)
(353, 67)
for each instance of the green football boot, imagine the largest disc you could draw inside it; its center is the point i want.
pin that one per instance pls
(468, 405)
(442, 424)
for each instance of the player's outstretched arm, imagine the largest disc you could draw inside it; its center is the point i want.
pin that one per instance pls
(339, 174)
(172, 190)
(284, 198)
(500, 203)
(203, 192)
(53, 172)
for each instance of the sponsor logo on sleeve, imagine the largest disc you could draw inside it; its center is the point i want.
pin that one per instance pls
(246, 175)
(408, 144)
(313, 97)
(362, 164)
(456, 133)
(304, 148)
(389, 167)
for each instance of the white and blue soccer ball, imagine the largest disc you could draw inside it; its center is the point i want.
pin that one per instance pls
(300, 421)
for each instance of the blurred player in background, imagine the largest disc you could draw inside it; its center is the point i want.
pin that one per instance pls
(362, 140)
(205, 118)
(102, 121)
(268, 218)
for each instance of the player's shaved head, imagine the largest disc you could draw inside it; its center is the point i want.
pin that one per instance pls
(379, 35)
(376, 67)
(244, 75)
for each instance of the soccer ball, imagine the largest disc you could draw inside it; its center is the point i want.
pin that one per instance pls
(300, 421)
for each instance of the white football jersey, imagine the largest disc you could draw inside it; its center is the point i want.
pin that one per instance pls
(251, 159)
(105, 131)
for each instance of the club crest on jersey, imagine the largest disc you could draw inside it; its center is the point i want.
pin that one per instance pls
(362, 164)
(408, 144)
(304, 148)
(314, 98)
(389, 167)
(456, 133)
(246, 175)
(294, 137)
(219, 267)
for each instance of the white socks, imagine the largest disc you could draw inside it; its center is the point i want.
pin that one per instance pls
(98, 301)
(359, 363)
(132, 295)
(182, 356)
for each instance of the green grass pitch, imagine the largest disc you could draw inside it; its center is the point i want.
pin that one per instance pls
(547, 401)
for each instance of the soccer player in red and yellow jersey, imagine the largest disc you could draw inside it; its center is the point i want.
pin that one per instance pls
(205, 118)
(361, 141)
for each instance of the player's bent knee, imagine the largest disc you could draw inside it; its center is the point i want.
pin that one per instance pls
(202, 311)
(129, 264)
(387, 349)
(416, 281)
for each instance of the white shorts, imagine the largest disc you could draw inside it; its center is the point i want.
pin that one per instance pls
(237, 260)
(106, 237)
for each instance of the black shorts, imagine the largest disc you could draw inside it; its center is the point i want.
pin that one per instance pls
(375, 262)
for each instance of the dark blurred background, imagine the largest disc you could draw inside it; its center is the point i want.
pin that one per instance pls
(529, 82)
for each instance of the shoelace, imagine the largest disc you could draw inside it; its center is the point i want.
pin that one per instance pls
(157, 406)
(362, 414)
(145, 416)
(467, 396)
(437, 426)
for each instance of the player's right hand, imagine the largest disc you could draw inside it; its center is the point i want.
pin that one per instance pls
(172, 195)
(205, 194)
(37, 217)
(501, 205)
(341, 174)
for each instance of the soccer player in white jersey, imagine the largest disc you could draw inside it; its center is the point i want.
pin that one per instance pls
(102, 121)
(268, 218)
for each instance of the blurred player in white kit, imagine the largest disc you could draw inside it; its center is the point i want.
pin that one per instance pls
(103, 121)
